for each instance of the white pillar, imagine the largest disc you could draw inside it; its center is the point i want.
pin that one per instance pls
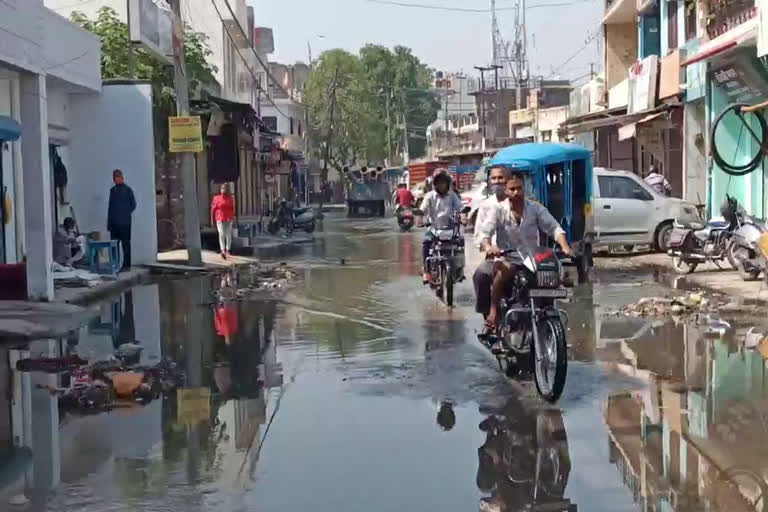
(38, 226)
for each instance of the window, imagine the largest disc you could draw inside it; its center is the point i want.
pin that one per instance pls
(690, 19)
(546, 136)
(620, 187)
(270, 122)
(672, 25)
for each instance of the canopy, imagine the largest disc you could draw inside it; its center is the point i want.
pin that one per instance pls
(533, 154)
(9, 129)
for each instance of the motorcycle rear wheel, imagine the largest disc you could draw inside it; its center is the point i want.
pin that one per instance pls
(550, 369)
(309, 227)
(732, 254)
(683, 267)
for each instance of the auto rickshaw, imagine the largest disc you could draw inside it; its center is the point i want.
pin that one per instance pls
(559, 176)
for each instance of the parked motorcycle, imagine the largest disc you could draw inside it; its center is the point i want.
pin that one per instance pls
(745, 250)
(405, 218)
(445, 263)
(694, 242)
(530, 329)
(290, 219)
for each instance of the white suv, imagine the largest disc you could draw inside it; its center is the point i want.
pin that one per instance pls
(627, 212)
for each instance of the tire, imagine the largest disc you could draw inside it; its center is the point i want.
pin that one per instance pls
(730, 253)
(552, 327)
(273, 228)
(310, 228)
(661, 240)
(738, 170)
(683, 267)
(748, 275)
(449, 289)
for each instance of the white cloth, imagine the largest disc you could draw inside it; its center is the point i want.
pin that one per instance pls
(510, 234)
(487, 207)
(659, 183)
(225, 235)
(439, 211)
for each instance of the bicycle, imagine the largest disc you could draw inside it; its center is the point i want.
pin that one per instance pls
(740, 110)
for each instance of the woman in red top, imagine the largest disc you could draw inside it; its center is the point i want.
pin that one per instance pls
(223, 214)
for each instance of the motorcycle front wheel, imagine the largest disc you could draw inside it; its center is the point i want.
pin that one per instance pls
(683, 267)
(731, 253)
(550, 359)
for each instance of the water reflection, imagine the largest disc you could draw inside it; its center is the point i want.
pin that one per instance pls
(524, 463)
(693, 440)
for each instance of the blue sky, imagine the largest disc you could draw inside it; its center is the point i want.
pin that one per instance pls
(451, 41)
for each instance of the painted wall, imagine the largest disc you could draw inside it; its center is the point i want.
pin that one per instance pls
(287, 110)
(620, 52)
(104, 144)
(70, 53)
(21, 34)
(695, 179)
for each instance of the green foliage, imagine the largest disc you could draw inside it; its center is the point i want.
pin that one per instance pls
(362, 86)
(116, 63)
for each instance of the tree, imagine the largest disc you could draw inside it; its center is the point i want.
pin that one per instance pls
(360, 89)
(116, 63)
(336, 96)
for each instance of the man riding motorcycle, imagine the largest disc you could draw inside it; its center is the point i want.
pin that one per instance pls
(516, 222)
(483, 276)
(403, 197)
(439, 209)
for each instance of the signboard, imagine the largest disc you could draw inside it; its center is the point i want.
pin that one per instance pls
(669, 83)
(263, 40)
(642, 84)
(150, 25)
(185, 134)
(194, 405)
(739, 79)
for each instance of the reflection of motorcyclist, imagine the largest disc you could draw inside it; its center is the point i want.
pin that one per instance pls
(446, 418)
(524, 460)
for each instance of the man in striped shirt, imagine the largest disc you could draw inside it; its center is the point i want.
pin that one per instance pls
(658, 182)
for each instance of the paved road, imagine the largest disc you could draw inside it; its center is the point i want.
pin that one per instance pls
(358, 390)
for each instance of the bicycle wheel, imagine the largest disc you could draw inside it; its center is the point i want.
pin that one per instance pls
(760, 137)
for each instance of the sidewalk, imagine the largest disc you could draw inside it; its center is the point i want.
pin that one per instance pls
(707, 276)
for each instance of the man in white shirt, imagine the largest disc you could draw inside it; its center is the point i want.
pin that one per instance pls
(483, 276)
(439, 207)
(517, 223)
(658, 182)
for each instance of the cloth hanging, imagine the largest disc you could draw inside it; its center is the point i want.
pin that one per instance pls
(224, 159)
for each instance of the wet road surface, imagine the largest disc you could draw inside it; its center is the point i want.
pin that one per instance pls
(357, 390)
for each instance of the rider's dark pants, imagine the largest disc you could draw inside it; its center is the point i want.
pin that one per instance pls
(483, 280)
(426, 246)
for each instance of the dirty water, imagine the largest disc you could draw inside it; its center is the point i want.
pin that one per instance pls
(356, 389)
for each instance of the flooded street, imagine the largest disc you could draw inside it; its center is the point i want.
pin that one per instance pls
(356, 389)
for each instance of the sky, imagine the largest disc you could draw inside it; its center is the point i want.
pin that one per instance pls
(447, 41)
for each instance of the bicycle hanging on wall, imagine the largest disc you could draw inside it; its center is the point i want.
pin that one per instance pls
(752, 121)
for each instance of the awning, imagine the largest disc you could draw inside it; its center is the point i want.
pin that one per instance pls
(628, 130)
(739, 35)
(615, 120)
(9, 129)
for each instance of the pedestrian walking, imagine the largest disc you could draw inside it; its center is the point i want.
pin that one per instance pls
(122, 204)
(223, 214)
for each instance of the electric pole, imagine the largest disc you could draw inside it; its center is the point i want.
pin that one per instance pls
(189, 178)
(483, 109)
(446, 118)
(406, 155)
(387, 91)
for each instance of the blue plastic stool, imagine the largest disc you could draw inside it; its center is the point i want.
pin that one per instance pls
(113, 248)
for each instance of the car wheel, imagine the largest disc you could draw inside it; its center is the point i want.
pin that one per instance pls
(661, 242)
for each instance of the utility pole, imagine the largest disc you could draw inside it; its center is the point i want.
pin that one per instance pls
(406, 154)
(191, 214)
(483, 109)
(497, 109)
(387, 92)
(329, 138)
(446, 118)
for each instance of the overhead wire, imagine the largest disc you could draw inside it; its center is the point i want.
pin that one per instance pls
(471, 9)
(256, 80)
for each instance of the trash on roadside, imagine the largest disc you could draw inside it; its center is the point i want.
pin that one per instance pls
(690, 304)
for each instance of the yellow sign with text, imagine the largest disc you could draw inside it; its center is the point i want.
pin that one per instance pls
(185, 134)
(194, 405)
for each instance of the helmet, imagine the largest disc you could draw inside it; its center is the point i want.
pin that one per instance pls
(442, 174)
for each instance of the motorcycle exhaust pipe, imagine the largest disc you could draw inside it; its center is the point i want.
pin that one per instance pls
(679, 254)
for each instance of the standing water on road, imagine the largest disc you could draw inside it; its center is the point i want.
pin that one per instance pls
(357, 389)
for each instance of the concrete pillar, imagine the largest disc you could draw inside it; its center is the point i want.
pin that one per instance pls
(38, 227)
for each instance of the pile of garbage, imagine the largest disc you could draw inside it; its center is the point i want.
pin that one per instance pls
(105, 385)
(254, 279)
(690, 304)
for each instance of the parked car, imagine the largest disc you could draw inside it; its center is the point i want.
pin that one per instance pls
(627, 212)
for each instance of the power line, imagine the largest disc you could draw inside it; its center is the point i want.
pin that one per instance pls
(576, 54)
(469, 9)
(253, 75)
(253, 50)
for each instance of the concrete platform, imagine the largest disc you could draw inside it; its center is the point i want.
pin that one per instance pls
(24, 321)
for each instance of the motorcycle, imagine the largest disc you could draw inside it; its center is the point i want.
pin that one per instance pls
(694, 242)
(530, 328)
(405, 218)
(745, 250)
(445, 263)
(290, 218)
